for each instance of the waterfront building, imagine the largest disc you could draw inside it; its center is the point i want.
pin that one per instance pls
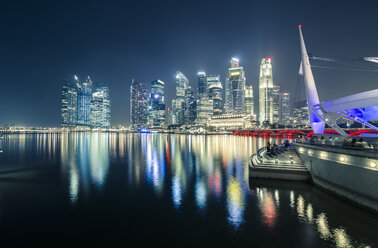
(249, 104)
(215, 93)
(202, 84)
(285, 108)
(190, 107)
(276, 104)
(266, 91)
(69, 103)
(178, 104)
(204, 110)
(156, 108)
(84, 99)
(100, 108)
(232, 121)
(300, 114)
(235, 86)
(138, 104)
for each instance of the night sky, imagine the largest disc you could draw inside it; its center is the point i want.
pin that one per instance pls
(44, 42)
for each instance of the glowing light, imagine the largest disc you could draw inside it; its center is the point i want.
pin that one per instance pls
(235, 59)
(235, 73)
(322, 225)
(342, 159)
(373, 164)
(301, 149)
(309, 152)
(300, 25)
(323, 155)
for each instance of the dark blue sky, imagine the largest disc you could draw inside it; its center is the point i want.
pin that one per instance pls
(43, 42)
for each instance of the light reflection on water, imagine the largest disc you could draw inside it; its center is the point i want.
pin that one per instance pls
(190, 171)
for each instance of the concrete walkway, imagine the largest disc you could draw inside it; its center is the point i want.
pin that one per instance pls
(283, 169)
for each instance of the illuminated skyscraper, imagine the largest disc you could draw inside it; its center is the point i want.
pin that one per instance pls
(69, 103)
(204, 110)
(178, 103)
(235, 86)
(266, 91)
(138, 104)
(249, 101)
(285, 108)
(190, 105)
(100, 107)
(276, 104)
(84, 98)
(156, 108)
(202, 84)
(215, 93)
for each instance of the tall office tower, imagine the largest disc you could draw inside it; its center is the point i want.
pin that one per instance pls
(235, 85)
(138, 103)
(84, 98)
(202, 84)
(204, 110)
(189, 115)
(266, 91)
(285, 108)
(182, 84)
(69, 104)
(215, 93)
(300, 114)
(100, 107)
(249, 101)
(156, 108)
(276, 104)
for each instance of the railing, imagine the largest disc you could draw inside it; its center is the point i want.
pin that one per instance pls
(257, 158)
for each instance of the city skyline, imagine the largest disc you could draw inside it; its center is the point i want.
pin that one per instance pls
(35, 61)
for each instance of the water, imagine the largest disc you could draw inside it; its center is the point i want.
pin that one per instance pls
(100, 189)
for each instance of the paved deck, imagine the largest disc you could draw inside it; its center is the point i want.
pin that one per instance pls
(283, 169)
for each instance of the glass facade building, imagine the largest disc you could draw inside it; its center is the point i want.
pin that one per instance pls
(249, 101)
(178, 104)
(84, 99)
(235, 86)
(100, 108)
(138, 104)
(285, 108)
(276, 104)
(215, 93)
(266, 91)
(69, 104)
(202, 84)
(156, 108)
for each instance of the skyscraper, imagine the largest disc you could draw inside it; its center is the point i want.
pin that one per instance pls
(182, 84)
(202, 84)
(285, 108)
(235, 86)
(266, 91)
(156, 108)
(69, 104)
(190, 112)
(204, 110)
(138, 104)
(84, 98)
(100, 107)
(276, 104)
(215, 93)
(249, 101)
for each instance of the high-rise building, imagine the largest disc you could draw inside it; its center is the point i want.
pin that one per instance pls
(276, 104)
(84, 99)
(178, 103)
(69, 104)
(215, 93)
(190, 113)
(285, 108)
(204, 110)
(266, 91)
(235, 86)
(138, 104)
(300, 114)
(100, 107)
(202, 84)
(249, 104)
(156, 108)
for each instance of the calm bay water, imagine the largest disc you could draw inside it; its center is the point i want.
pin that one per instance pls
(96, 189)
